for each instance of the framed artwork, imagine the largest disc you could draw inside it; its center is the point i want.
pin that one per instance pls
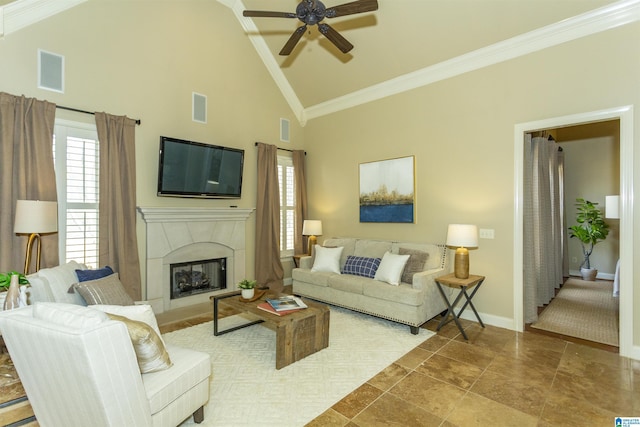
(387, 190)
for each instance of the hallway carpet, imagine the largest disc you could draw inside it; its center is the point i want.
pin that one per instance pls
(583, 309)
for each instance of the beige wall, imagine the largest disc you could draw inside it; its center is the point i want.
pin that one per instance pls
(144, 59)
(462, 133)
(592, 171)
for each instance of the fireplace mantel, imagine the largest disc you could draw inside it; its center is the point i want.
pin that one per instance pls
(176, 235)
(155, 214)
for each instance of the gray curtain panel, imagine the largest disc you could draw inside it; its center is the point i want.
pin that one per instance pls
(544, 230)
(27, 173)
(268, 268)
(300, 184)
(117, 231)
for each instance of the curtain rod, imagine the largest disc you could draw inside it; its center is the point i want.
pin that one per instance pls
(283, 149)
(86, 112)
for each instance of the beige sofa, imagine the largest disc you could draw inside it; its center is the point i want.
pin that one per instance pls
(409, 303)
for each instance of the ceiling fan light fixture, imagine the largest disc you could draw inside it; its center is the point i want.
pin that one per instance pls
(312, 12)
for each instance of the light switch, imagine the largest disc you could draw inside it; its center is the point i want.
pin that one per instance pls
(487, 233)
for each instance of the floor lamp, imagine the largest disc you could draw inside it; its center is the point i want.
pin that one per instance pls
(35, 217)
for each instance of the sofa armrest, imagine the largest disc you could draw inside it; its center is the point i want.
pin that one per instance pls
(425, 279)
(306, 262)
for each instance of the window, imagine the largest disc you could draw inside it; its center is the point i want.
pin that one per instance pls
(287, 205)
(76, 156)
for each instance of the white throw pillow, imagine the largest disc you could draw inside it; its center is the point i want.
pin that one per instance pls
(141, 312)
(327, 259)
(391, 268)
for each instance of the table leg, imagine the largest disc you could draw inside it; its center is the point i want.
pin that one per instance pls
(450, 310)
(216, 319)
(470, 303)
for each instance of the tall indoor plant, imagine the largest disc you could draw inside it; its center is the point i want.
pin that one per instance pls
(590, 230)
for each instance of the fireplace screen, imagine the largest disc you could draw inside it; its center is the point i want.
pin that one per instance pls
(196, 277)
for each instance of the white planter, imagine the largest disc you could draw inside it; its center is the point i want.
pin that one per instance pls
(589, 274)
(248, 293)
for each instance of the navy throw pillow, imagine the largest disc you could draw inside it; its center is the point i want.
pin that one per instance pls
(361, 266)
(86, 275)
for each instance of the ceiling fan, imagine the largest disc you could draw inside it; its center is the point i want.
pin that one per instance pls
(312, 12)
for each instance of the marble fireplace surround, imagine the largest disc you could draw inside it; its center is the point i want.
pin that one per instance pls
(176, 235)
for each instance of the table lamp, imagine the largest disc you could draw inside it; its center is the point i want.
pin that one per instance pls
(462, 236)
(34, 217)
(311, 228)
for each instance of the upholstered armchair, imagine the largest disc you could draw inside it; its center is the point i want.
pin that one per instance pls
(80, 368)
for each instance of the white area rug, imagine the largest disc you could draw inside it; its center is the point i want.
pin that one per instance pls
(247, 390)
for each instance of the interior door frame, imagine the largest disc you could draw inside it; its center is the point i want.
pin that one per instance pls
(625, 115)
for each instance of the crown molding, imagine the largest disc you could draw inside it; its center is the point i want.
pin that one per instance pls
(237, 7)
(602, 19)
(592, 22)
(22, 13)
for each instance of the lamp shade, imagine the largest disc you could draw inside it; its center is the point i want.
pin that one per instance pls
(35, 216)
(462, 235)
(612, 207)
(312, 227)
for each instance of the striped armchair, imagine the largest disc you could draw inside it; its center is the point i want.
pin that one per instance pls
(79, 373)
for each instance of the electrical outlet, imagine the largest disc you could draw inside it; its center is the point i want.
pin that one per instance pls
(487, 233)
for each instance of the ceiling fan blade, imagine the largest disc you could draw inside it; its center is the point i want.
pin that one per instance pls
(352, 8)
(335, 38)
(293, 40)
(267, 14)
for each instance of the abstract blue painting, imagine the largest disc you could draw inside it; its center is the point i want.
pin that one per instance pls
(387, 190)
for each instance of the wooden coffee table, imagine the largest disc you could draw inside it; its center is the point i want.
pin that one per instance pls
(298, 334)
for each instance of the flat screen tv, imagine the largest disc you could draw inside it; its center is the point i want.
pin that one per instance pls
(194, 169)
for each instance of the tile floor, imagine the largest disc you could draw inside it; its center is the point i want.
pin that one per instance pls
(497, 378)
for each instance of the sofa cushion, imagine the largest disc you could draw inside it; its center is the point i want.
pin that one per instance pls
(151, 353)
(327, 259)
(434, 251)
(371, 248)
(391, 268)
(189, 369)
(348, 283)
(107, 290)
(401, 294)
(317, 278)
(60, 278)
(415, 264)
(348, 245)
(361, 266)
(85, 275)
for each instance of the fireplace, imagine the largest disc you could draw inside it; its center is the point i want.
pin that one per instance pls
(181, 235)
(196, 277)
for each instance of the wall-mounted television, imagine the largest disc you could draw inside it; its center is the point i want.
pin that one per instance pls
(194, 169)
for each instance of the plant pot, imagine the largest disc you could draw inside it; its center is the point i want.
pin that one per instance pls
(589, 274)
(248, 293)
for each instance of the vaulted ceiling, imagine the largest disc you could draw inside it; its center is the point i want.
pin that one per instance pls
(402, 45)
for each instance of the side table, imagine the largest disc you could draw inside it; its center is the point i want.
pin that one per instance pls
(15, 409)
(452, 281)
(296, 259)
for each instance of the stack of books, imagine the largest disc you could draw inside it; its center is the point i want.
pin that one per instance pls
(283, 305)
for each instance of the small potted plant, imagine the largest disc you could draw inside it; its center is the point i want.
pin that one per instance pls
(247, 287)
(590, 229)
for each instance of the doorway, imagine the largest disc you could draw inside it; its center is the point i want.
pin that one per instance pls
(625, 117)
